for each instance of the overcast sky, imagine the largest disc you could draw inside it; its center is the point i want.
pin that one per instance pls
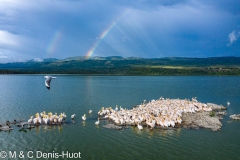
(36, 29)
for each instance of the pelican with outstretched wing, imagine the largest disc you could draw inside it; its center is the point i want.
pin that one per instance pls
(48, 80)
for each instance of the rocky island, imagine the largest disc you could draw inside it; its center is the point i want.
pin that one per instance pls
(235, 116)
(166, 114)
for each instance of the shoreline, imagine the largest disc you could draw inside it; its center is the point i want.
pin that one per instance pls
(127, 75)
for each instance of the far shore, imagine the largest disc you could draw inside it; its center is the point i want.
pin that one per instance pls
(167, 72)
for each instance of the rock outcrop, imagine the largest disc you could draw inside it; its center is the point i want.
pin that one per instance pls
(5, 128)
(216, 107)
(112, 126)
(200, 119)
(235, 116)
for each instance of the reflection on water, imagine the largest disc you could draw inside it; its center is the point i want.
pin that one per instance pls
(153, 132)
(39, 128)
(73, 121)
(83, 123)
(19, 100)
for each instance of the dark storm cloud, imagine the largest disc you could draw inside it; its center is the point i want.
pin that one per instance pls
(63, 28)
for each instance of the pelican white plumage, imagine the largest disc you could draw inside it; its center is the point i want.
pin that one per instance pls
(30, 121)
(45, 119)
(84, 117)
(162, 112)
(48, 80)
(37, 120)
(97, 122)
(140, 127)
(51, 117)
(152, 125)
(60, 119)
(64, 116)
(55, 119)
(41, 114)
(72, 116)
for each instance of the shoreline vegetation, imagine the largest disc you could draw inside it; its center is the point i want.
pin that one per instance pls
(115, 65)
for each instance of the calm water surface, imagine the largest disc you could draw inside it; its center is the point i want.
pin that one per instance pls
(24, 95)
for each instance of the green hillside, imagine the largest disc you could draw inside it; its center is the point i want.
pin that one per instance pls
(117, 65)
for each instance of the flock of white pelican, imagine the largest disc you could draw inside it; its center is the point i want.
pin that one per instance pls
(47, 118)
(161, 112)
(50, 118)
(156, 113)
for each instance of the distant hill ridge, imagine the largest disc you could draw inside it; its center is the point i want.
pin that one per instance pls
(83, 58)
(128, 66)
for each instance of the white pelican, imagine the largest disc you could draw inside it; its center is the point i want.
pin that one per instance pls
(60, 119)
(41, 114)
(55, 119)
(90, 111)
(64, 116)
(30, 121)
(140, 127)
(72, 116)
(97, 122)
(51, 117)
(152, 125)
(163, 112)
(48, 80)
(122, 121)
(45, 119)
(84, 117)
(37, 120)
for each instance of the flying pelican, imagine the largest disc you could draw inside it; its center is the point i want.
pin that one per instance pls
(48, 80)
(97, 123)
(72, 116)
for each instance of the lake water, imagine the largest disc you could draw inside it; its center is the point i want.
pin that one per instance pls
(24, 95)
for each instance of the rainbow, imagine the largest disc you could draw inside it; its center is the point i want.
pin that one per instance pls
(54, 41)
(103, 35)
